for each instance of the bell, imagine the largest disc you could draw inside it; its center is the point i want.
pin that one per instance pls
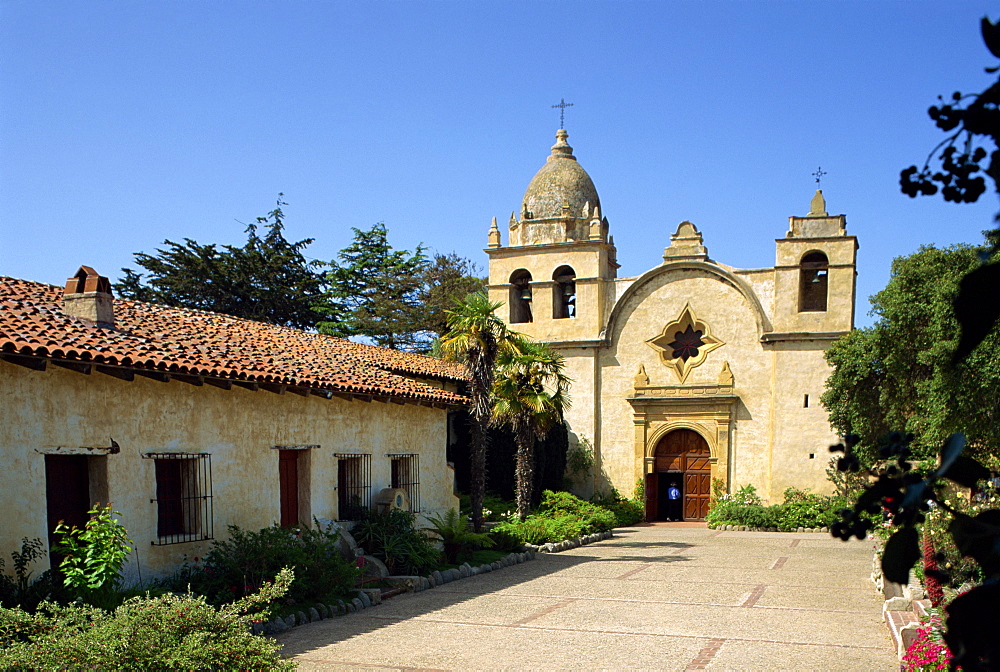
(526, 294)
(569, 289)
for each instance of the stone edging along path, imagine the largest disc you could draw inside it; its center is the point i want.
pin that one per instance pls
(369, 597)
(746, 528)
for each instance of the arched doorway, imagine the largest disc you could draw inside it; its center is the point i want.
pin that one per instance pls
(681, 457)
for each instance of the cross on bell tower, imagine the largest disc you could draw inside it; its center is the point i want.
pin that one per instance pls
(819, 176)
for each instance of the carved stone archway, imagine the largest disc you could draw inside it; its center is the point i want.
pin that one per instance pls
(708, 410)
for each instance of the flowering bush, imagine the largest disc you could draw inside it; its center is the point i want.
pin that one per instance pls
(932, 580)
(928, 651)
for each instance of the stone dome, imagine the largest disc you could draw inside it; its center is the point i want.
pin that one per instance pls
(561, 181)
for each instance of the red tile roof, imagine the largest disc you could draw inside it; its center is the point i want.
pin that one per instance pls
(149, 337)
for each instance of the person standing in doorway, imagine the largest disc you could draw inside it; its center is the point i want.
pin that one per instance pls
(674, 502)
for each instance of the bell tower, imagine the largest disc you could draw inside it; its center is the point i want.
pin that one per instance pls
(553, 275)
(814, 278)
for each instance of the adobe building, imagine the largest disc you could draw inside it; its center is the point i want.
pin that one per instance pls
(189, 421)
(694, 371)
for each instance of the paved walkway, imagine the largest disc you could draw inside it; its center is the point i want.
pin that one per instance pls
(670, 596)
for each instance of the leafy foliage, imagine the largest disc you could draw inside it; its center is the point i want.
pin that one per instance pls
(627, 512)
(375, 291)
(973, 122)
(268, 279)
(906, 496)
(529, 395)
(94, 556)
(452, 529)
(239, 566)
(169, 632)
(20, 590)
(800, 509)
(447, 279)
(391, 537)
(561, 515)
(475, 336)
(900, 491)
(898, 373)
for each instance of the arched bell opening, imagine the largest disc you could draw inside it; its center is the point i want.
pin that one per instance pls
(520, 297)
(813, 282)
(682, 460)
(563, 293)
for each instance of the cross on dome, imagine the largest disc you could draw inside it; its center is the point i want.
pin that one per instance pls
(562, 111)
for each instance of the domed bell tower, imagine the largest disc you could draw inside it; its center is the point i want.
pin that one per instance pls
(553, 275)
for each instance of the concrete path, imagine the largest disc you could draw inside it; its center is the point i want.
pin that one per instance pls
(669, 596)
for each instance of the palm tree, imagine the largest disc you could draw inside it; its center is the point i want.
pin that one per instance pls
(529, 396)
(476, 335)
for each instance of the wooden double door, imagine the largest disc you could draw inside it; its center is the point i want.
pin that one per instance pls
(682, 458)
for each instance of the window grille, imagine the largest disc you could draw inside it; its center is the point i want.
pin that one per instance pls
(354, 484)
(406, 476)
(183, 497)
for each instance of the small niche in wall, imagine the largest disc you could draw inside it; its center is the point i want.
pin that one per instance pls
(805, 402)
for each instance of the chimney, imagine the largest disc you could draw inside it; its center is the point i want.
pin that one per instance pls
(88, 297)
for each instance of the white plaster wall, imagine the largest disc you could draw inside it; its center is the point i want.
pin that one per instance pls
(41, 410)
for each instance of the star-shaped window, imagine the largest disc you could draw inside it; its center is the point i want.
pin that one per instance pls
(684, 343)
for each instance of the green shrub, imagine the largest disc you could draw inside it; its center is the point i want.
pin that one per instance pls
(800, 509)
(531, 530)
(238, 566)
(392, 538)
(94, 556)
(458, 539)
(20, 590)
(542, 529)
(562, 515)
(626, 512)
(504, 541)
(559, 504)
(805, 509)
(157, 633)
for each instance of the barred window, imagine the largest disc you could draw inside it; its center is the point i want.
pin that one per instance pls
(354, 484)
(183, 497)
(406, 476)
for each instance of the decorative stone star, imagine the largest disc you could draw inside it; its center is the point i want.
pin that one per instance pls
(684, 343)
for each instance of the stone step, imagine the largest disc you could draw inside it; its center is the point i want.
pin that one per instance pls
(902, 628)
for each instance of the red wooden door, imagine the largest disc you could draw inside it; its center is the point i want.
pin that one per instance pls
(685, 450)
(288, 481)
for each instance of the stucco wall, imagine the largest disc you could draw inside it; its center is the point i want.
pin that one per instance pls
(56, 410)
(641, 317)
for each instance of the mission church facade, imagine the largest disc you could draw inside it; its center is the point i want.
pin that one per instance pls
(695, 370)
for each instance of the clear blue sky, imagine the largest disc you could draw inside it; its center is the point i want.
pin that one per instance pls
(122, 124)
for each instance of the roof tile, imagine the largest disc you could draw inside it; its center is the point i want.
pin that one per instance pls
(181, 340)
